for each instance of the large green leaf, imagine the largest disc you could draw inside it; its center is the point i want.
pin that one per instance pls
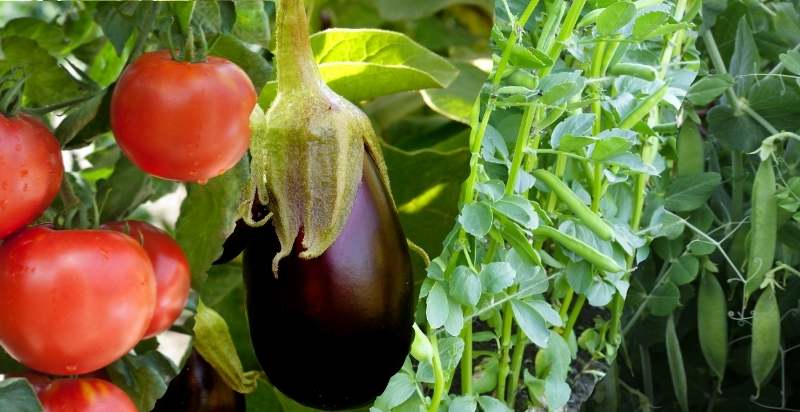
(456, 100)
(366, 63)
(17, 395)
(143, 377)
(208, 216)
(47, 82)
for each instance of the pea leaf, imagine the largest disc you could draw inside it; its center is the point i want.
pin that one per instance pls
(437, 307)
(705, 90)
(497, 276)
(465, 286)
(531, 323)
(664, 299)
(400, 388)
(684, 270)
(463, 404)
(687, 193)
(791, 61)
(517, 209)
(476, 218)
(615, 17)
(366, 63)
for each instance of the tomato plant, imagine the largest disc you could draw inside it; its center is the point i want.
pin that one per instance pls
(84, 395)
(180, 120)
(76, 300)
(170, 267)
(30, 160)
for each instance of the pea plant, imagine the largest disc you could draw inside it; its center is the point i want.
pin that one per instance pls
(523, 305)
(724, 273)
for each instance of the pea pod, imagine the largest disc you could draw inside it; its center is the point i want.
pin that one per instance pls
(766, 337)
(641, 71)
(712, 324)
(763, 232)
(676, 367)
(574, 203)
(592, 255)
(690, 150)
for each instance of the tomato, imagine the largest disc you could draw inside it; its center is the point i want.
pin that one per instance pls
(170, 267)
(182, 121)
(347, 313)
(199, 388)
(30, 171)
(85, 395)
(73, 300)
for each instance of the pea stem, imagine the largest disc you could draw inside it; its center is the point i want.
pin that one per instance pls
(573, 316)
(438, 374)
(505, 346)
(520, 343)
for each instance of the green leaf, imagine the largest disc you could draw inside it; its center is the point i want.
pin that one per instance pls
(463, 404)
(745, 57)
(455, 101)
(791, 61)
(437, 307)
(118, 22)
(252, 22)
(615, 17)
(647, 23)
(214, 343)
(531, 323)
(465, 287)
(183, 11)
(143, 377)
(17, 395)
(735, 130)
(127, 188)
(47, 83)
(497, 276)
(559, 88)
(705, 90)
(365, 63)
(257, 68)
(687, 193)
(207, 15)
(684, 270)
(208, 216)
(489, 404)
(400, 388)
(517, 209)
(546, 311)
(78, 117)
(455, 319)
(476, 218)
(512, 233)
(664, 299)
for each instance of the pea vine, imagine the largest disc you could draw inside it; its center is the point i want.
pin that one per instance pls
(564, 139)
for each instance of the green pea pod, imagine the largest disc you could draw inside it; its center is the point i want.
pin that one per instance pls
(641, 71)
(521, 56)
(574, 203)
(592, 255)
(523, 78)
(690, 150)
(766, 338)
(712, 324)
(421, 348)
(764, 227)
(676, 368)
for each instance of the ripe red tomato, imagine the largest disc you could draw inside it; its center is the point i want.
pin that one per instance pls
(30, 171)
(170, 266)
(182, 121)
(73, 300)
(85, 395)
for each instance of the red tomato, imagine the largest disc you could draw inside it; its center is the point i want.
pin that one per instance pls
(30, 171)
(73, 300)
(85, 395)
(170, 266)
(183, 121)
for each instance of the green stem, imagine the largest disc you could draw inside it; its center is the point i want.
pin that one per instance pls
(573, 316)
(520, 343)
(512, 39)
(438, 374)
(573, 14)
(719, 66)
(519, 148)
(737, 168)
(466, 357)
(597, 68)
(505, 346)
(297, 69)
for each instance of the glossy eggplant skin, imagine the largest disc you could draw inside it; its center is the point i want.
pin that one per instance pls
(198, 388)
(329, 332)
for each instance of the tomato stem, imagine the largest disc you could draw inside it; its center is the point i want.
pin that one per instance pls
(297, 69)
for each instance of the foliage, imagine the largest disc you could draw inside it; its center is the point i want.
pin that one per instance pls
(724, 267)
(73, 54)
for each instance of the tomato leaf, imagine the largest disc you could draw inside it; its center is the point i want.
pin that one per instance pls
(17, 395)
(208, 216)
(143, 377)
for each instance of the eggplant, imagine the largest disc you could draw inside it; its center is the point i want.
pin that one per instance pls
(199, 388)
(330, 331)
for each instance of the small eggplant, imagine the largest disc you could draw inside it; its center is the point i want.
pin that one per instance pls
(198, 388)
(330, 331)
